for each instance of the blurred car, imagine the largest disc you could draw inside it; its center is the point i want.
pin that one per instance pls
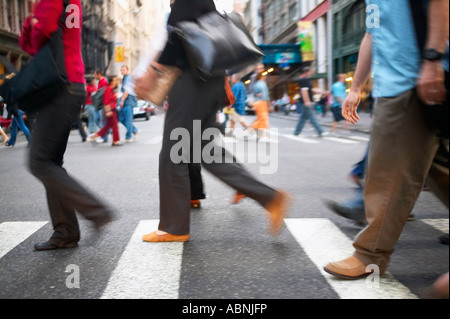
(143, 109)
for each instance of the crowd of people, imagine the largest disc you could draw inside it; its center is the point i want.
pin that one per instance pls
(396, 168)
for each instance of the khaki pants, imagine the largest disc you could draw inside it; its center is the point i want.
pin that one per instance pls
(403, 153)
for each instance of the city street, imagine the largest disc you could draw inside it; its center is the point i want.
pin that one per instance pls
(230, 254)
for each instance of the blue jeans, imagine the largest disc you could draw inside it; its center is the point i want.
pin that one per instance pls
(17, 123)
(360, 167)
(126, 118)
(92, 122)
(307, 114)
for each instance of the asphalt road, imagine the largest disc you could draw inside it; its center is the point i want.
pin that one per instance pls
(230, 254)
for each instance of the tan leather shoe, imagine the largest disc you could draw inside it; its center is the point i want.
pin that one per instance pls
(278, 209)
(155, 238)
(350, 269)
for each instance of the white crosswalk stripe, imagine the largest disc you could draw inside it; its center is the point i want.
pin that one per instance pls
(324, 242)
(13, 233)
(153, 271)
(146, 270)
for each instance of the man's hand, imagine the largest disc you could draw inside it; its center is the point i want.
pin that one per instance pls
(350, 106)
(431, 83)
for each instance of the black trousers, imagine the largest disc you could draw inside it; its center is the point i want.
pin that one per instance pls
(195, 100)
(65, 195)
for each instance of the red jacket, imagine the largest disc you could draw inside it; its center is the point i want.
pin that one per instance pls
(48, 14)
(110, 98)
(89, 90)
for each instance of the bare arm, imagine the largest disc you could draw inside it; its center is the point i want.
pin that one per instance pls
(362, 74)
(430, 85)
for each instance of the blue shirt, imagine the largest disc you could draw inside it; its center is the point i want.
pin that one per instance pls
(339, 90)
(127, 85)
(241, 96)
(396, 56)
(261, 91)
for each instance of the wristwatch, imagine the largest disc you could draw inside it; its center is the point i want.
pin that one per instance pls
(432, 55)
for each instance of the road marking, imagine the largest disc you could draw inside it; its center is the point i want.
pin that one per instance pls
(146, 270)
(324, 242)
(339, 140)
(439, 224)
(300, 139)
(13, 233)
(359, 138)
(155, 140)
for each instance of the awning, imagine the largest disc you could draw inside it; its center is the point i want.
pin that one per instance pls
(319, 11)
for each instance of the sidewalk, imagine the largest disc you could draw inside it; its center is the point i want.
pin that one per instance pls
(363, 126)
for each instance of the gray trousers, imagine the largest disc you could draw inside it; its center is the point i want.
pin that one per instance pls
(192, 99)
(403, 152)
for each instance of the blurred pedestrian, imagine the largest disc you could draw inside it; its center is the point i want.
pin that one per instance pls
(194, 101)
(236, 112)
(261, 104)
(339, 92)
(102, 82)
(53, 123)
(4, 135)
(89, 107)
(16, 124)
(127, 103)
(112, 122)
(307, 101)
(403, 149)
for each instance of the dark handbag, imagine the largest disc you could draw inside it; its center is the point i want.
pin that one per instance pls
(436, 116)
(43, 78)
(217, 43)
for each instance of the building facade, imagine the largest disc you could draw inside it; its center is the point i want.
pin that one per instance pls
(12, 15)
(129, 26)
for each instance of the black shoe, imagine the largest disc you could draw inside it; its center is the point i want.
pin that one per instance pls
(48, 245)
(103, 221)
(356, 214)
(444, 239)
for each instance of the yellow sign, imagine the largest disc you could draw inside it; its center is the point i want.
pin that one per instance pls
(120, 53)
(306, 35)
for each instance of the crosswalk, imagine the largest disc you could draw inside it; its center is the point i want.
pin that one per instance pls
(274, 136)
(152, 271)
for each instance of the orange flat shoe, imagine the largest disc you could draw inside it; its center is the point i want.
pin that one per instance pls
(278, 209)
(155, 238)
(195, 203)
(238, 198)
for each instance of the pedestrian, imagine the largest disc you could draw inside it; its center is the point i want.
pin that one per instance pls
(403, 148)
(237, 110)
(339, 92)
(89, 107)
(192, 102)
(110, 105)
(307, 101)
(127, 103)
(53, 123)
(261, 104)
(102, 82)
(4, 135)
(16, 124)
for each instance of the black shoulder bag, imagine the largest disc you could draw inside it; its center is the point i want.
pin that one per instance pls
(43, 78)
(216, 44)
(436, 116)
